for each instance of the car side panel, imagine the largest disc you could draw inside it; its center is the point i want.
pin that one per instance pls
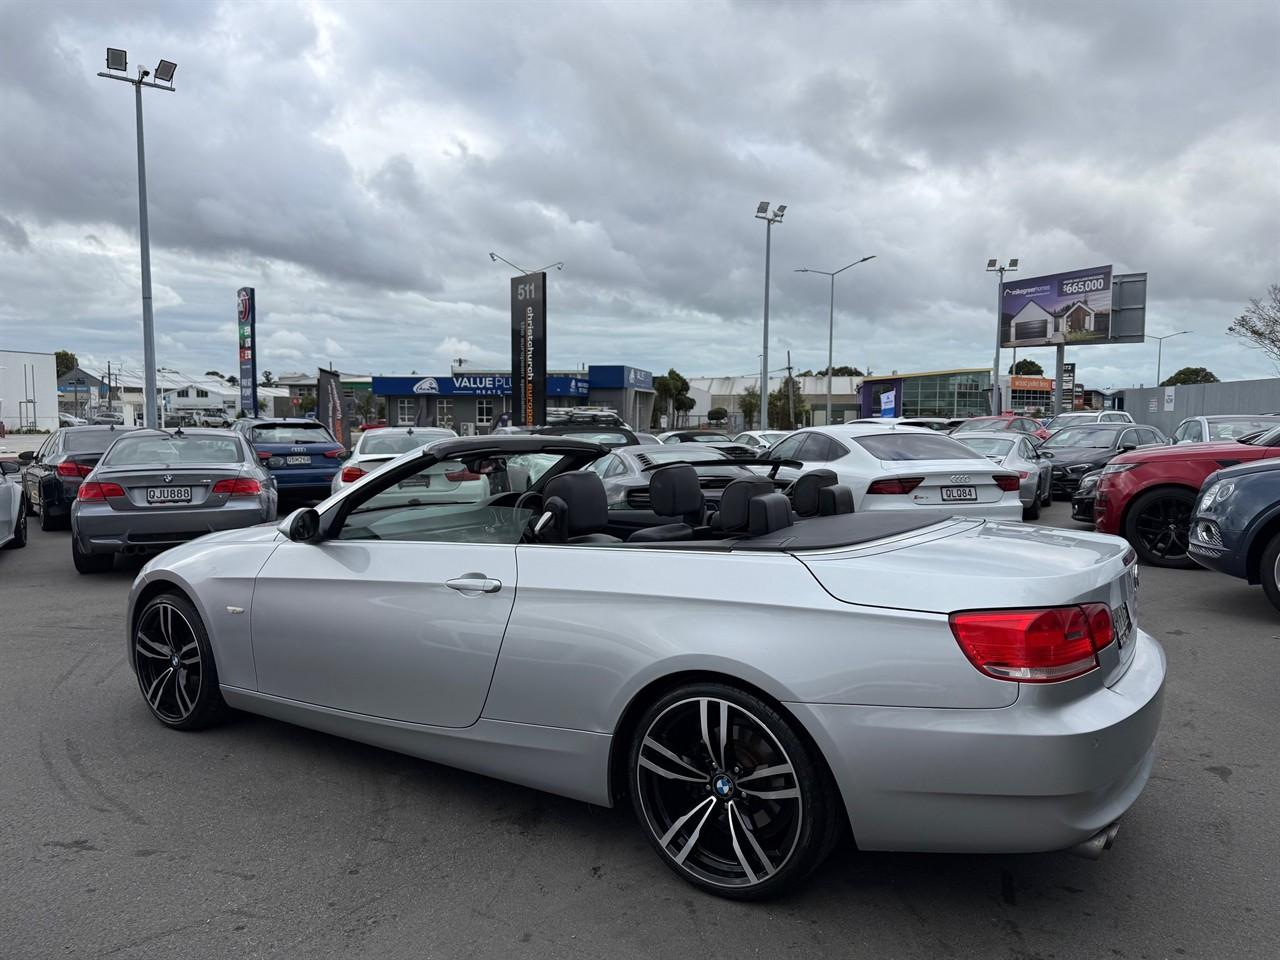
(593, 626)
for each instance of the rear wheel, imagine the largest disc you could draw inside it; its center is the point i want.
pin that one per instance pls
(1032, 512)
(19, 527)
(1158, 526)
(1269, 571)
(733, 800)
(89, 562)
(47, 522)
(1047, 499)
(174, 664)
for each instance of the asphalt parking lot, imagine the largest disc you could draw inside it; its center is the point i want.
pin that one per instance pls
(122, 839)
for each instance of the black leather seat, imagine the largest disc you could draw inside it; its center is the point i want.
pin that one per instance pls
(732, 516)
(767, 513)
(834, 500)
(579, 508)
(674, 491)
(804, 492)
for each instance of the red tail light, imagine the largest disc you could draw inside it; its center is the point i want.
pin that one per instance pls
(240, 487)
(1006, 482)
(335, 454)
(352, 474)
(263, 455)
(1034, 646)
(460, 475)
(69, 468)
(1023, 474)
(99, 491)
(898, 485)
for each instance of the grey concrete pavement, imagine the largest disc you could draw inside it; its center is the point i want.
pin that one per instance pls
(122, 839)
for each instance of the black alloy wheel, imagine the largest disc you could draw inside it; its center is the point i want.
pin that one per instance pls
(1269, 571)
(174, 664)
(1158, 525)
(728, 794)
(19, 527)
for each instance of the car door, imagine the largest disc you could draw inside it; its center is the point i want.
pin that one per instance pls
(399, 613)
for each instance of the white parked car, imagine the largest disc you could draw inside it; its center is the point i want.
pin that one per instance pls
(376, 447)
(891, 467)
(13, 507)
(760, 440)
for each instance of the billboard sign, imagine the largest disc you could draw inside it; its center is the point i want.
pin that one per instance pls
(246, 322)
(331, 409)
(889, 403)
(1062, 308)
(529, 349)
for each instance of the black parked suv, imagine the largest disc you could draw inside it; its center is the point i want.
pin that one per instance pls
(1236, 526)
(51, 475)
(1075, 451)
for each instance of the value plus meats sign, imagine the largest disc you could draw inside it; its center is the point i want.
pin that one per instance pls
(246, 320)
(529, 349)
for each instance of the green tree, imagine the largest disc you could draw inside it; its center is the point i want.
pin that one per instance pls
(781, 409)
(267, 378)
(749, 404)
(1026, 368)
(1190, 375)
(836, 371)
(1259, 325)
(66, 362)
(233, 381)
(671, 397)
(213, 373)
(717, 414)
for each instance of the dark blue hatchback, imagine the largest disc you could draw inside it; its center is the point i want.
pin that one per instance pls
(301, 454)
(1236, 526)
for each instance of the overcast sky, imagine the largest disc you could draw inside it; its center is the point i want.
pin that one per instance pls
(356, 162)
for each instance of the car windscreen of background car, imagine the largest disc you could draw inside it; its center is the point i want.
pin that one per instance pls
(987, 424)
(1234, 429)
(680, 456)
(134, 451)
(1082, 437)
(381, 443)
(291, 433)
(914, 446)
(88, 441)
(708, 438)
(598, 436)
(989, 446)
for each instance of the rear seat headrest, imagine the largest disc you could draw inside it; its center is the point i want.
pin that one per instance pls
(834, 500)
(735, 499)
(768, 512)
(804, 492)
(674, 491)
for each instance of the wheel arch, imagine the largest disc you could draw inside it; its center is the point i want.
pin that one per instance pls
(1258, 540)
(651, 692)
(1163, 487)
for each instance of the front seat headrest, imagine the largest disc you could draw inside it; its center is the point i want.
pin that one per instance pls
(734, 500)
(768, 512)
(674, 491)
(586, 505)
(804, 492)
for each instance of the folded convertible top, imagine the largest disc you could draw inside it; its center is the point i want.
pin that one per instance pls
(842, 530)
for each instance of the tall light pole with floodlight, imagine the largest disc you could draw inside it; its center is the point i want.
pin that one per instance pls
(994, 266)
(831, 320)
(762, 213)
(1160, 349)
(117, 69)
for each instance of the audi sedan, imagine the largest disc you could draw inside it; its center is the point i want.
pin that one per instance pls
(153, 489)
(1011, 705)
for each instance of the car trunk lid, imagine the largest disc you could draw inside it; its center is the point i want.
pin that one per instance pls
(944, 482)
(160, 487)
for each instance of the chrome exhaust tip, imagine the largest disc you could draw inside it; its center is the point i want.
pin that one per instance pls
(1095, 846)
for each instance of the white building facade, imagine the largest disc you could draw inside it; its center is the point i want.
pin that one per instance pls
(28, 390)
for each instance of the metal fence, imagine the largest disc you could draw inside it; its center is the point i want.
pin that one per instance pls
(1166, 407)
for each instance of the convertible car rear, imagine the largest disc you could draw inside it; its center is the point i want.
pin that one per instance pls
(753, 682)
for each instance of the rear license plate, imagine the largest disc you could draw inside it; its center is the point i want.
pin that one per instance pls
(168, 494)
(297, 461)
(950, 494)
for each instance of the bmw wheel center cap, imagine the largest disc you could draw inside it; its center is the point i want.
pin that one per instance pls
(723, 786)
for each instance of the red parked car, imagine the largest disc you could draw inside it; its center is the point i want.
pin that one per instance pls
(1148, 496)
(1006, 421)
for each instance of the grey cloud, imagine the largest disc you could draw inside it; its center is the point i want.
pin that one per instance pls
(13, 234)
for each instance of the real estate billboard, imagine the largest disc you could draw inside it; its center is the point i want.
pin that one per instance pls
(247, 321)
(1076, 307)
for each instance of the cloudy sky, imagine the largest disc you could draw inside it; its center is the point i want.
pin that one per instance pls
(356, 162)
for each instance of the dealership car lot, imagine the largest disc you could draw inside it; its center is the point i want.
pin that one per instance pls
(260, 839)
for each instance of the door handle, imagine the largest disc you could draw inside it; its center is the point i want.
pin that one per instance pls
(474, 583)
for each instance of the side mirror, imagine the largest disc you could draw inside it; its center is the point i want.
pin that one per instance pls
(301, 526)
(26, 456)
(1125, 448)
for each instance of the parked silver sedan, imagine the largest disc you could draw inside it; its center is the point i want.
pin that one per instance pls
(935, 683)
(154, 488)
(13, 506)
(1016, 452)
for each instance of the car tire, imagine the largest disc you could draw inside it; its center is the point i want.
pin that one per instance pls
(90, 562)
(19, 527)
(686, 788)
(1157, 525)
(47, 522)
(1032, 512)
(1047, 500)
(1269, 571)
(173, 662)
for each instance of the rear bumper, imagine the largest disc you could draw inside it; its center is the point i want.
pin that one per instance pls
(1032, 777)
(1005, 509)
(100, 529)
(318, 481)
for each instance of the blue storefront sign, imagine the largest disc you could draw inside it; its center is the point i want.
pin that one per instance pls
(488, 385)
(620, 377)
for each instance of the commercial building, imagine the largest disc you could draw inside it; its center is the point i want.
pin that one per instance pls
(708, 393)
(472, 402)
(28, 390)
(937, 393)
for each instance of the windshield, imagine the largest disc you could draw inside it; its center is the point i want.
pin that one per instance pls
(605, 437)
(985, 424)
(773, 436)
(1082, 437)
(135, 451)
(706, 438)
(383, 443)
(88, 441)
(1238, 427)
(989, 446)
(291, 433)
(1067, 419)
(914, 446)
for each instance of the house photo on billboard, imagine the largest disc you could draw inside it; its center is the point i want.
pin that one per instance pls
(1062, 308)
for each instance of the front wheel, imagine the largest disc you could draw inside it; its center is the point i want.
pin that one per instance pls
(1158, 526)
(19, 539)
(174, 664)
(730, 796)
(1269, 571)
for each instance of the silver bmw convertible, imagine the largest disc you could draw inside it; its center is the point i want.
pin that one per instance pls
(755, 683)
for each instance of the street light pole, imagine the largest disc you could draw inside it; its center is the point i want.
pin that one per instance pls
(994, 266)
(117, 63)
(831, 320)
(762, 213)
(1160, 349)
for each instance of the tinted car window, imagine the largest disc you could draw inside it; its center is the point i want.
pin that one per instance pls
(1195, 433)
(816, 449)
(88, 441)
(1148, 436)
(989, 446)
(130, 451)
(980, 424)
(786, 450)
(1237, 427)
(914, 446)
(290, 433)
(382, 443)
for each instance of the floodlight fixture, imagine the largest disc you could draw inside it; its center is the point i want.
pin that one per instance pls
(782, 208)
(991, 264)
(117, 59)
(164, 71)
(1013, 264)
(762, 209)
(494, 257)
